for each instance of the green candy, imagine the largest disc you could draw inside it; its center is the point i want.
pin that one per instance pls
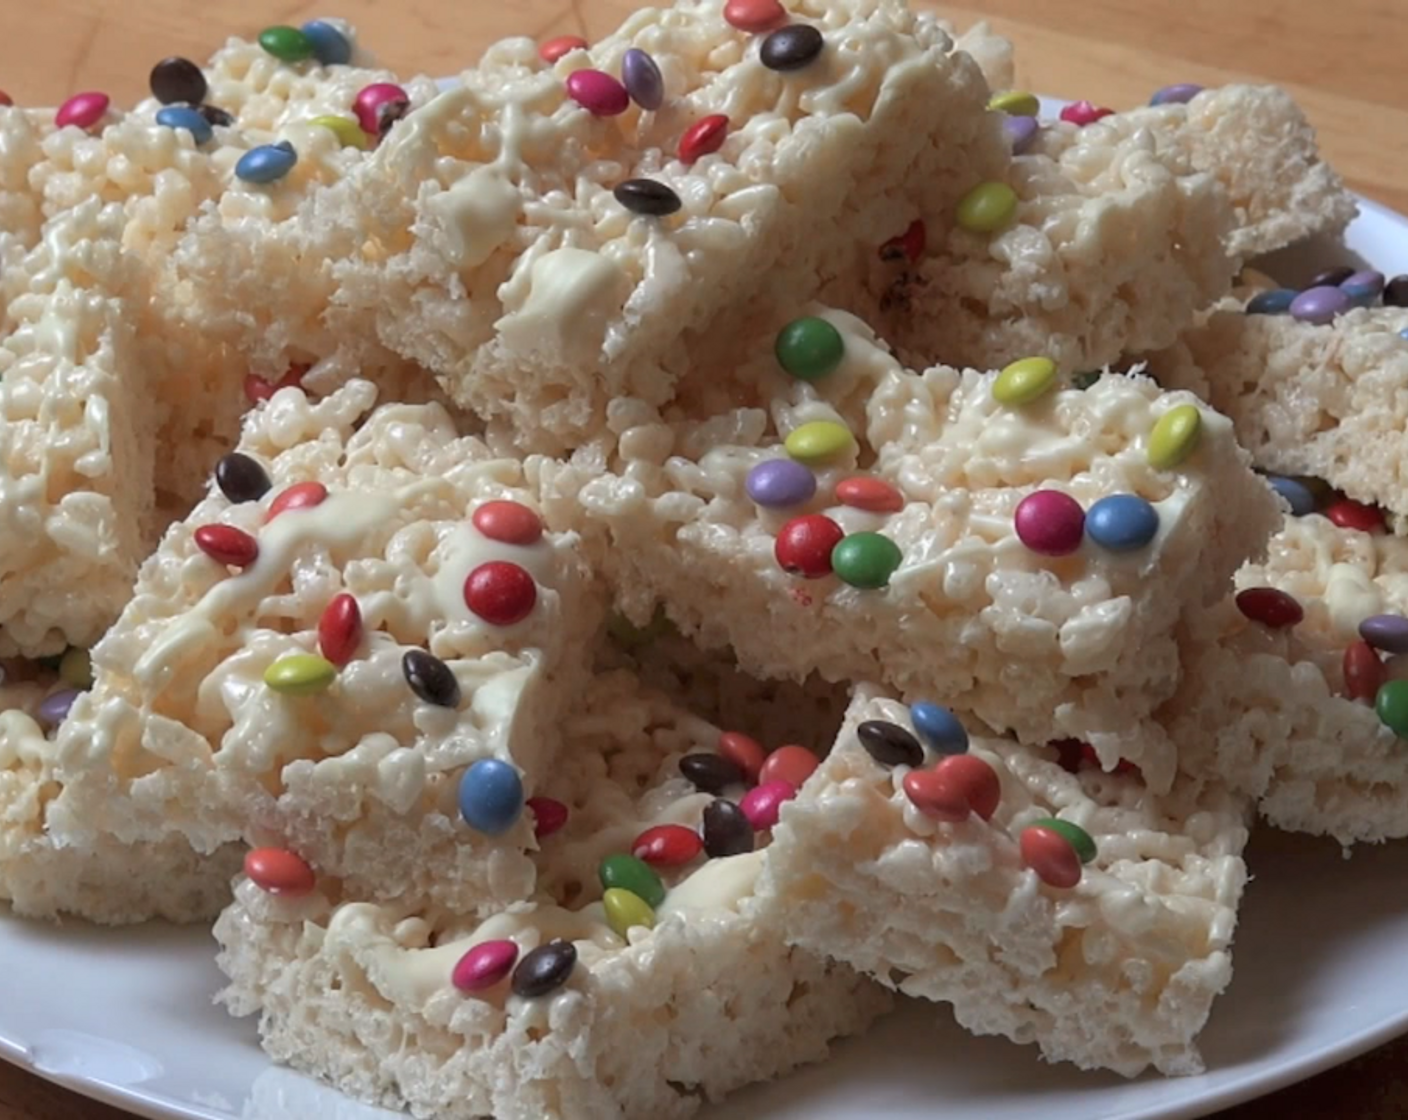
(809, 348)
(1391, 704)
(987, 207)
(1087, 379)
(630, 874)
(1079, 839)
(1015, 103)
(348, 132)
(866, 560)
(625, 909)
(819, 442)
(300, 674)
(287, 44)
(76, 669)
(1024, 381)
(1174, 436)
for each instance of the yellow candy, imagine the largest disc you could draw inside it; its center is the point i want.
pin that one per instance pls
(818, 442)
(1174, 437)
(75, 669)
(987, 207)
(348, 132)
(1024, 381)
(300, 674)
(1016, 103)
(625, 909)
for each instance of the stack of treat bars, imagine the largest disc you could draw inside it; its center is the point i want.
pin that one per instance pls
(596, 578)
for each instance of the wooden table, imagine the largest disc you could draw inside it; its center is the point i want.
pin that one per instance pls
(1343, 60)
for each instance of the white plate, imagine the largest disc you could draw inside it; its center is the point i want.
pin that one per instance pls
(126, 1016)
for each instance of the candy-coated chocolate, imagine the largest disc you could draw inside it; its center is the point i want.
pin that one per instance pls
(780, 483)
(430, 678)
(226, 544)
(1021, 132)
(508, 522)
(792, 47)
(550, 50)
(874, 495)
(1296, 494)
(1396, 292)
(485, 965)
(1051, 856)
(704, 137)
(1122, 522)
(642, 79)
(1331, 277)
(598, 93)
(648, 197)
(1364, 672)
(975, 780)
(939, 727)
(299, 496)
(53, 709)
(1024, 381)
(217, 116)
(809, 348)
(631, 874)
(819, 442)
(287, 44)
(889, 743)
(763, 802)
(380, 105)
(267, 163)
(340, 629)
(1391, 704)
(1320, 305)
(330, 46)
(805, 544)
(792, 764)
(743, 751)
(726, 830)
(866, 560)
(667, 845)
(177, 80)
(1178, 94)
(1349, 514)
(1174, 436)
(544, 969)
(1364, 286)
(1050, 523)
(1016, 102)
(184, 117)
(625, 910)
(987, 208)
(1077, 837)
(491, 796)
(257, 389)
(348, 132)
(500, 592)
(300, 674)
(1082, 113)
(82, 110)
(1387, 632)
(710, 772)
(937, 797)
(1273, 301)
(1269, 606)
(279, 872)
(549, 815)
(754, 16)
(75, 668)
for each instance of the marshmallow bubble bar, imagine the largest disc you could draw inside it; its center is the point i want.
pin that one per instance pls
(639, 980)
(364, 609)
(1019, 549)
(1044, 899)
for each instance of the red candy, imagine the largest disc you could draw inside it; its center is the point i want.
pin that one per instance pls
(279, 872)
(380, 105)
(598, 93)
(1363, 671)
(1051, 856)
(1084, 113)
(508, 522)
(791, 764)
(549, 815)
(935, 797)
(256, 389)
(301, 495)
(957, 785)
(1073, 754)
(754, 15)
(1270, 607)
(550, 50)
(872, 494)
(227, 545)
(703, 137)
(804, 545)
(500, 593)
(484, 965)
(743, 751)
(5, 99)
(1349, 514)
(761, 804)
(340, 629)
(1050, 523)
(667, 845)
(82, 109)
(909, 245)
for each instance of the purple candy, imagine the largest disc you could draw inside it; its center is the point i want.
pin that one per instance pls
(1021, 131)
(779, 483)
(1179, 94)
(53, 709)
(1320, 305)
(1363, 287)
(1388, 632)
(642, 79)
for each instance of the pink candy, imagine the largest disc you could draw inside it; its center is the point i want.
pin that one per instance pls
(380, 105)
(484, 965)
(1050, 522)
(598, 93)
(549, 815)
(761, 804)
(82, 109)
(1083, 113)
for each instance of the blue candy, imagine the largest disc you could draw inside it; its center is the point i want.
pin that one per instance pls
(266, 164)
(939, 727)
(1122, 522)
(1403, 333)
(179, 116)
(1275, 302)
(491, 796)
(1363, 287)
(1297, 494)
(330, 46)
